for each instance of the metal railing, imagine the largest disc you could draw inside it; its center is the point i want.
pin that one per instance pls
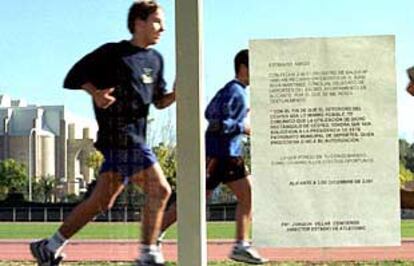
(116, 214)
(58, 214)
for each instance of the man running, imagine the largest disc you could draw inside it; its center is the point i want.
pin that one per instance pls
(123, 79)
(227, 124)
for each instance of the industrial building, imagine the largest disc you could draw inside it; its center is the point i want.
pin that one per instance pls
(44, 139)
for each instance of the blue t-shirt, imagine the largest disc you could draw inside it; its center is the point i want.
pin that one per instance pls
(225, 114)
(137, 76)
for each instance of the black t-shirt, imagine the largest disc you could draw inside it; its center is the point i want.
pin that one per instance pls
(137, 76)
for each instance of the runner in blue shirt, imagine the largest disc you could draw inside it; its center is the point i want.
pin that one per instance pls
(227, 124)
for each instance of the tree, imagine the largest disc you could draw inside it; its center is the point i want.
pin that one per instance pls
(43, 188)
(404, 150)
(162, 129)
(132, 196)
(72, 198)
(12, 175)
(405, 175)
(94, 161)
(167, 159)
(408, 159)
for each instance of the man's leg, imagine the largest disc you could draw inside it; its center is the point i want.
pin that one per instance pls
(157, 192)
(170, 214)
(242, 188)
(108, 187)
(242, 251)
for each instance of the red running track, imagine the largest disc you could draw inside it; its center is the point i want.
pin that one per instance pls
(17, 250)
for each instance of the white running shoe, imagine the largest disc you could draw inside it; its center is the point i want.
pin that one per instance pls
(247, 255)
(151, 258)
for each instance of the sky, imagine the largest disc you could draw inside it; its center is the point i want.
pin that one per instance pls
(40, 40)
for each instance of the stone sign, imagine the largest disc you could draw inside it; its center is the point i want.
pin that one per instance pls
(325, 142)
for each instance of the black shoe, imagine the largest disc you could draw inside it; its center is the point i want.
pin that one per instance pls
(44, 256)
(146, 263)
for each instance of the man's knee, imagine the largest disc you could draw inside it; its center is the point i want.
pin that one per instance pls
(243, 193)
(161, 190)
(165, 191)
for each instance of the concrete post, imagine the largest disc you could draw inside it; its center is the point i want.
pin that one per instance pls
(192, 248)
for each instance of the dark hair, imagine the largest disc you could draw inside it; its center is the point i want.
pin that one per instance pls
(241, 58)
(141, 9)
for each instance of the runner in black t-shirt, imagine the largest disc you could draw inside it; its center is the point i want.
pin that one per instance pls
(123, 79)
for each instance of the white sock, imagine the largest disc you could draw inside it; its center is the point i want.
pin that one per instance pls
(161, 236)
(241, 244)
(148, 248)
(151, 253)
(56, 243)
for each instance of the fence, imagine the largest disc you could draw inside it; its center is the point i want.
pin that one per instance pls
(116, 214)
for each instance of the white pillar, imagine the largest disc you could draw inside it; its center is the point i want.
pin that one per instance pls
(32, 161)
(192, 248)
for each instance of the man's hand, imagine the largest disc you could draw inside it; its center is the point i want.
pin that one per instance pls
(247, 128)
(103, 98)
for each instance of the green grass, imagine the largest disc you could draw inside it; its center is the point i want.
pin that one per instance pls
(216, 230)
(131, 231)
(407, 228)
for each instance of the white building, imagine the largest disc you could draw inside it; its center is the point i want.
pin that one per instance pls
(43, 138)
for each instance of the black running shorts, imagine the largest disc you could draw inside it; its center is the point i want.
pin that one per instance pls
(224, 170)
